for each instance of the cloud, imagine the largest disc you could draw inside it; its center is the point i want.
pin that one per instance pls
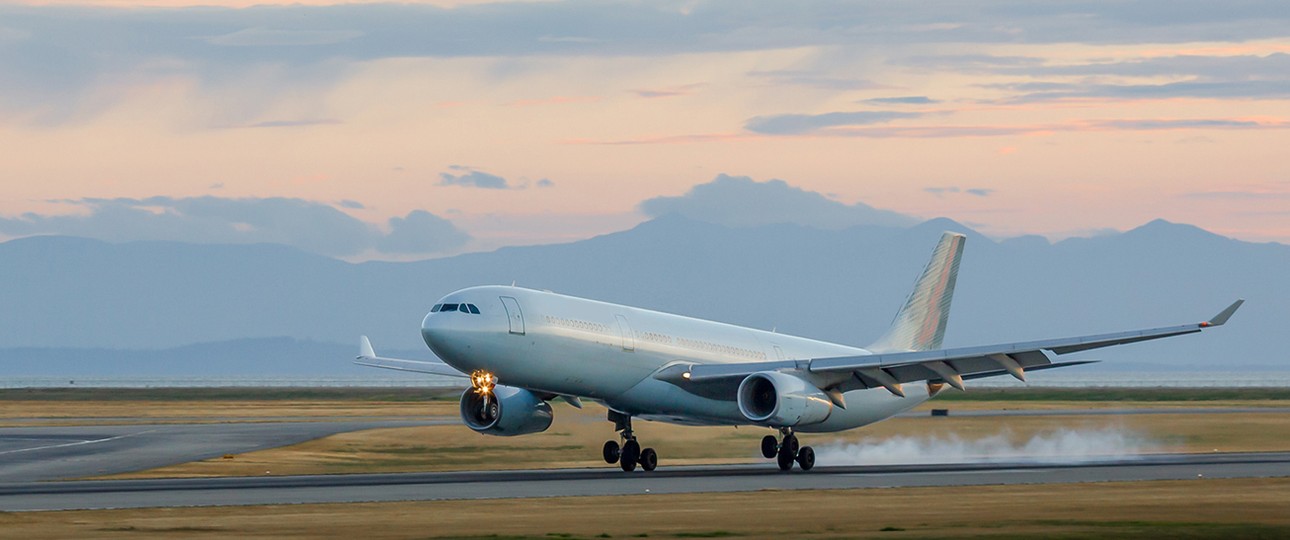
(738, 201)
(813, 80)
(1269, 89)
(294, 123)
(941, 191)
(421, 232)
(545, 183)
(269, 37)
(901, 100)
(54, 55)
(472, 178)
(307, 225)
(792, 124)
(351, 204)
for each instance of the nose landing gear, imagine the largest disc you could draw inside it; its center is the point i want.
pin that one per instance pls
(788, 451)
(630, 454)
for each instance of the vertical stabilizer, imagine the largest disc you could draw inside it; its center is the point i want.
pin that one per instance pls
(920, 324)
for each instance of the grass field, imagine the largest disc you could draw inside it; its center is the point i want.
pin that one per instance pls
(44, 406)
(1192, 509)
(1189, 509)
(574, 441)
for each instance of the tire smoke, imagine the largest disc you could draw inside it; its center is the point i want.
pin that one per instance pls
(1057, 446)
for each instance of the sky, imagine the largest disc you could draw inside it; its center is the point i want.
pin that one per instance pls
(392, 131)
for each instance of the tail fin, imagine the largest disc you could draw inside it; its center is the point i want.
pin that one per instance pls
(920, 325)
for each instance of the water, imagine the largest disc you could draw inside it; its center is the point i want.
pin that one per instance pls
(1052, 379)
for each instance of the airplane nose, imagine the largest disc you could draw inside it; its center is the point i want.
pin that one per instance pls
(433, 330)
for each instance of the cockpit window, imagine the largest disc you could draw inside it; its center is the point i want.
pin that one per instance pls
(463, 308)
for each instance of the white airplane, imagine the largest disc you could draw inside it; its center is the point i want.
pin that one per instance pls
(521, 348)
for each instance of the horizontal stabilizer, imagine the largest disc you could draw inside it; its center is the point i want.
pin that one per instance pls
(367, 357)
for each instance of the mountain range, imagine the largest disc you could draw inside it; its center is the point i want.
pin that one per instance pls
(266, 308)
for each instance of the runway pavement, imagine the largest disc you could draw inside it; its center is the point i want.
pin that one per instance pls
(31, 456)
(610, 481)
(51, 453)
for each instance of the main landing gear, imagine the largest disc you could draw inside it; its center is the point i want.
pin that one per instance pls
(787, 451)
(630, 454)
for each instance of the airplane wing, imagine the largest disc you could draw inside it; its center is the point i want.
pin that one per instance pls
(950, 366)
(367, 357)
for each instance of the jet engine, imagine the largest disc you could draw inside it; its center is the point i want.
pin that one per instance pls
(505, 411)
(781, 400)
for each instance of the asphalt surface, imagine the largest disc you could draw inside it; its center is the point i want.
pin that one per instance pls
(1118, 411)
(610, 481)
(32, 456)
(29, 454)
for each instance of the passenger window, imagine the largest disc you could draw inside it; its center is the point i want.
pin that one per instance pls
(473, 309)
(449, 307)
(436, 307)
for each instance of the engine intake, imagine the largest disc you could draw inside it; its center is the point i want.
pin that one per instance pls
(780, 400)
(510, 411)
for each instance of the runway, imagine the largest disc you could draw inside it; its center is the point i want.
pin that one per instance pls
(29, 454)
(31, 496)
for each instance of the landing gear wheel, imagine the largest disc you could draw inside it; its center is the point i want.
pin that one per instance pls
(630, 456)
(769, 446)
(784, 459)
(806, 458)
(649, 459)
(790, 442)
(611, 452)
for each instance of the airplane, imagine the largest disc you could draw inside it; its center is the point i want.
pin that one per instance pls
(522, 348)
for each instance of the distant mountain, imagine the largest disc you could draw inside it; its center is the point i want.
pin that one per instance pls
(839, 285)
(270, 357)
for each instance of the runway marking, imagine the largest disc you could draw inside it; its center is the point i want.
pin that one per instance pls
(77, 443)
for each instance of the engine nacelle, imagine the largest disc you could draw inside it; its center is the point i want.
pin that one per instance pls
(510, 411)
(778, 399)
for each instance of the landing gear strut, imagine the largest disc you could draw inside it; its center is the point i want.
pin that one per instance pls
(787, 451)
(630, 454)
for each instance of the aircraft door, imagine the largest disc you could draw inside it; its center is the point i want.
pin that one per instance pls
(625, 331)
(514, 315)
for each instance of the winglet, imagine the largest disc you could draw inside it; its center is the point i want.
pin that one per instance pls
(1223, 316)
(365, 348)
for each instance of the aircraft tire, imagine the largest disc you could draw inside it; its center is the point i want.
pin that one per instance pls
(611, 452)
(769, 446)
(630, 456)
(790, 442)
(784, 459)
(806, 458)
(649, 459)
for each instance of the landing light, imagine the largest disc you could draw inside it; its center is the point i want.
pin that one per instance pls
(483, 382)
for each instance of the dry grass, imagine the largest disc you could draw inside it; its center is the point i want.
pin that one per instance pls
(575, 438)
(1245, 508)
(44, 412)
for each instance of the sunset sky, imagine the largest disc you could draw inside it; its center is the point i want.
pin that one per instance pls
(372, 130)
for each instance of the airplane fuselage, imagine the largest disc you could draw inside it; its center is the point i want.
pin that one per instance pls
(570, 346)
